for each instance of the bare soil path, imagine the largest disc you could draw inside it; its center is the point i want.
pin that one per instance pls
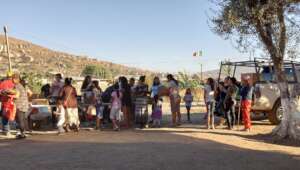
(187, 147)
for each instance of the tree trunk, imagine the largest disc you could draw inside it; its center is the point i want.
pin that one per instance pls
(290, 124)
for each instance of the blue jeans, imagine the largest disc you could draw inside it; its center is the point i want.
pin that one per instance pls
(230, 114)
(210, 112)
(99, 111)
(5, 123)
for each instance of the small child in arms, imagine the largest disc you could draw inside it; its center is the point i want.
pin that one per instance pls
(157, 111)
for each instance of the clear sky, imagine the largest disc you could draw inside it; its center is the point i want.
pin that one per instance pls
(160, 35)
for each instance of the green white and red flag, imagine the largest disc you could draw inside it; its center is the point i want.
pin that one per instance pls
(197, 54)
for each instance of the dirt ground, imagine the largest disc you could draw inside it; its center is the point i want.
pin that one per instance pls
(188, 147)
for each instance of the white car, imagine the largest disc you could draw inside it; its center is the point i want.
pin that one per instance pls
(266, 98)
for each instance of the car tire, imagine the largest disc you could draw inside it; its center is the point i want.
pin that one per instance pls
(275, 115)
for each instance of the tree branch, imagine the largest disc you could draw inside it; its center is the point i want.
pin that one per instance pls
(266, 38)
(282, 27)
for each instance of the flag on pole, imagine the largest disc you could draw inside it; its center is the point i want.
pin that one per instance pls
(197, 54)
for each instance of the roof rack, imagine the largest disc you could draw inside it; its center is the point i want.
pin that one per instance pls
(257, 63)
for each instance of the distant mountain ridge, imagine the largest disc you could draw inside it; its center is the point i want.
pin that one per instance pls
(28, 57)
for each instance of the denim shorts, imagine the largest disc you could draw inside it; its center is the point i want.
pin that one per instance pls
(99, 112)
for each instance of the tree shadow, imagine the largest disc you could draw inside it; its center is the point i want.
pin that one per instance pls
(135, 151)
(266, 138)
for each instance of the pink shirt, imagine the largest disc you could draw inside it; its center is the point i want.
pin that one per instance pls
(116, 101)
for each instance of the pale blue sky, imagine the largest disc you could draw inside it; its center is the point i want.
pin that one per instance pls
(154, 34)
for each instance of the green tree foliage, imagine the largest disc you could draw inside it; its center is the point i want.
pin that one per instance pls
(97, 71)
(227, 69)
(34, 81)
(187, 81)
(271, 25)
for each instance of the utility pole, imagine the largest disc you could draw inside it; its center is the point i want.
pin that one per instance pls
(201, 72)
(7, 48)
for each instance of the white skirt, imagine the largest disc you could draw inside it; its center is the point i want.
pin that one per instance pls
(72, 117)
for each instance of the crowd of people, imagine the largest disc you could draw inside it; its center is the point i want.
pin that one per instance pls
(230, 100)
(124, 100)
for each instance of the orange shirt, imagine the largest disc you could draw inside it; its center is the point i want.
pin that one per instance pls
(6, 85)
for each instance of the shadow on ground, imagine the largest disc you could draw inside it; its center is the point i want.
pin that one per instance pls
(198, 123)
(134, 151)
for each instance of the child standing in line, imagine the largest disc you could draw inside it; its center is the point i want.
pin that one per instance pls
(188, 99)
(157, 111)
(116, 105)
(60, 113)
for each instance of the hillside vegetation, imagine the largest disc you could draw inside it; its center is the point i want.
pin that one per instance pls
(28, 57)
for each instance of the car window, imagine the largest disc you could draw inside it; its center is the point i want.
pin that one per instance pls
(267, 75)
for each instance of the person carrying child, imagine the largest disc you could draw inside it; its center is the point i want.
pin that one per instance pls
(188, 99)
(157, 111)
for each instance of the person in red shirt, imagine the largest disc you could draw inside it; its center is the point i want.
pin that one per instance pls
(7, 95)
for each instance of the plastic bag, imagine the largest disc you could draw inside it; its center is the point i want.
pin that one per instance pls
(92, 110)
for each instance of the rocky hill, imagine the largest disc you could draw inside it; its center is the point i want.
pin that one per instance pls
(28, 57)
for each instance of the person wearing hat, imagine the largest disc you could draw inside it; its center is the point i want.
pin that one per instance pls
(7, 96)
(246, 100)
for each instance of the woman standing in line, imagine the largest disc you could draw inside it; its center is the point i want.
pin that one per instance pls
(230, 102)
(154, 90)
(126, 101)
(209, 98)
(97, 92)
(246, 98)
(116, 104)
(69, 97)
(175, 100)
(87, 98)
(141, 102)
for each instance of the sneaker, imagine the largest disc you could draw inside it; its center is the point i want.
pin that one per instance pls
(116, 129)
(20, 136)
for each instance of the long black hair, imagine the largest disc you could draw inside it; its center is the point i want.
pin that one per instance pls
(86, 82)
(124, 83)
(154, 83)
(233, 80)
(211, 83)
(171, 77)
(126, 91)
(142, 79)
(96, 85)
(68, 81)
(116, 89)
